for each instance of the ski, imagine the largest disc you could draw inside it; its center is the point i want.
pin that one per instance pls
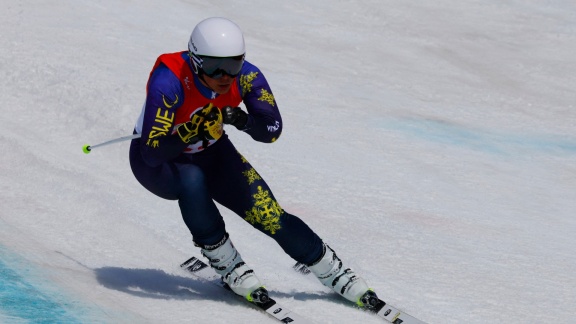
(201, 270)
(381, 309)
(394, 315)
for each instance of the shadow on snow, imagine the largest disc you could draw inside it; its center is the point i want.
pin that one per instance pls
(154, 283)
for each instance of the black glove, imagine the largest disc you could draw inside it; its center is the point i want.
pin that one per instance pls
(204, 125)
(235, 116)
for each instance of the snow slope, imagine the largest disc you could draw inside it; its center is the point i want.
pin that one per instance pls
(432, 144)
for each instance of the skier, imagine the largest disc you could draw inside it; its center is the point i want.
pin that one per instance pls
(183, 154)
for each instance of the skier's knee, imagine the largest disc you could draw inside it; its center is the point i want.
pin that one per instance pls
(192, 179)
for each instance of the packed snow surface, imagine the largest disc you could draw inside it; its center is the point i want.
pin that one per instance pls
(432, 144)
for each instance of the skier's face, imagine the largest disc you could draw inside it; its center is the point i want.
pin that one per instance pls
(221, 85)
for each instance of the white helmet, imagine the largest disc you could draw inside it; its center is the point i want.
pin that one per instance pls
(216, 37)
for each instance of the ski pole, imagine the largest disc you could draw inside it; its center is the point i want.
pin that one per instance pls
(87, 148)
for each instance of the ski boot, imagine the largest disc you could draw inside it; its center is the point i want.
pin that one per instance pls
(332, 273)
(239, 277)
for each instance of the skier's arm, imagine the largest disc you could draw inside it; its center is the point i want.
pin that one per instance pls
(164, 96)
(264, 123)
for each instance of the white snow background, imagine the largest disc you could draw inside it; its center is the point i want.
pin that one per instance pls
(432, 144)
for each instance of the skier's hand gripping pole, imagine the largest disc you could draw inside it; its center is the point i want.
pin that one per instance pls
(204, 125)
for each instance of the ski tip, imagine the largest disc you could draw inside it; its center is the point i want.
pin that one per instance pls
(302, 268)
(187, 262)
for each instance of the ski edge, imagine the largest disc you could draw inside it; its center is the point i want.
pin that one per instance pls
(283, 314)
(396, 316)
(384, 310)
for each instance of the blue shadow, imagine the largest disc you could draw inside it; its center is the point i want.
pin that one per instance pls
(495, 142)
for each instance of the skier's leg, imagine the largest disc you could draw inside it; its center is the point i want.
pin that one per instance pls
(252, 199)
(238, 187)
(186, 182)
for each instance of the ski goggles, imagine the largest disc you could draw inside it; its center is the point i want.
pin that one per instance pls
(216, 67)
